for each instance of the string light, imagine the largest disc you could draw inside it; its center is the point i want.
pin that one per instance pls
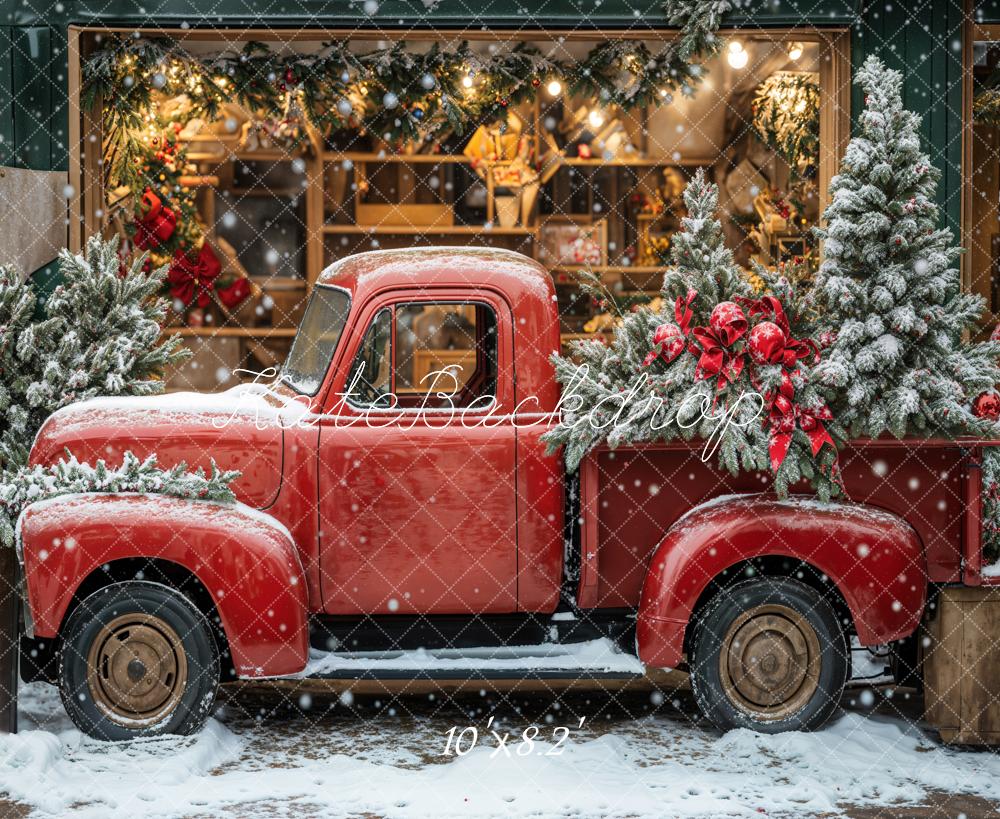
(467, 81)
(554, 88)
(795, 51)
(737, 55)
(595, 118)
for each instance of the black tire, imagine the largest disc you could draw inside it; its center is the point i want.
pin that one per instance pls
(138, 659)
(786, 657)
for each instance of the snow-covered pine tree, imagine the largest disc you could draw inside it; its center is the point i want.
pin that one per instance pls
(648, 384)
(69, 476)
(98, 334)
(701, 260)
(887, 289)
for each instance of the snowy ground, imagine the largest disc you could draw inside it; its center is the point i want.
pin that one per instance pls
(635, 755)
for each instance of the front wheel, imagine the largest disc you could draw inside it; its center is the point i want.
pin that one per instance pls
(138, 659)
(769, 654)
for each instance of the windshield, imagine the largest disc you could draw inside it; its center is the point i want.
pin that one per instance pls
(316, 340)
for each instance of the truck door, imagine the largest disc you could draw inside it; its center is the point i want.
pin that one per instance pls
(416, 481)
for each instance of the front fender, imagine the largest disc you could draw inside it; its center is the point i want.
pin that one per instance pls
(873, 557)
(246, 561)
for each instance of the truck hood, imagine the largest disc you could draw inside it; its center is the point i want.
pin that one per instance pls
(240, 429)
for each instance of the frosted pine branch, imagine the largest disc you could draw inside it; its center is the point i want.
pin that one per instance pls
(69, 476)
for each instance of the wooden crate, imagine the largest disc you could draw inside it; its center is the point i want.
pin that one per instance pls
(962, 666)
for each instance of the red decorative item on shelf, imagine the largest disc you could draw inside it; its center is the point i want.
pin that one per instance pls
(987, 406)
(157, 223)
(235, 294)
(194, 278)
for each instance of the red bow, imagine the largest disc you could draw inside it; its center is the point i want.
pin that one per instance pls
(713, 342)
(157, 223)
(768, 306)
(783, 417)
(189, 277)
(715, 359)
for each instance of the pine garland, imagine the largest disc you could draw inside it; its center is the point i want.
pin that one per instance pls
(397, 94)
(70, 477)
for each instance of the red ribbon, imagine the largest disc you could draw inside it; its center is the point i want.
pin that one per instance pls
(714, 357)
(682, 310)
(194, 277)
(783, 417)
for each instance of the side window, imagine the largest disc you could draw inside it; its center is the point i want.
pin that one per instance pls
(447, 348)
(370, 373)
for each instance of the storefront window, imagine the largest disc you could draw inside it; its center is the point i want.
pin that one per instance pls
(250, 205)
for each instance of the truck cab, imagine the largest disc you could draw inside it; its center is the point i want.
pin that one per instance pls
(395, 494)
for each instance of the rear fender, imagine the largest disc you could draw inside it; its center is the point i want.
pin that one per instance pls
(245, 559)
(874, 558)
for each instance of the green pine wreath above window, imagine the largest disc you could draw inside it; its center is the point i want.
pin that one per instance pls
(397, 94)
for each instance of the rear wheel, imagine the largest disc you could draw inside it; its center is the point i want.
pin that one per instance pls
(138, 659)
(769, 654)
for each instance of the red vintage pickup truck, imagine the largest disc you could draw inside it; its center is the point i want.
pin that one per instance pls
(395, 495)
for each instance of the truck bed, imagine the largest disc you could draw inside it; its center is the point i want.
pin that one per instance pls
(631, 496)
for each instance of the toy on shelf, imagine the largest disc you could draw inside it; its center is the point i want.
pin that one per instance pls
(783, 233)
(503, 157)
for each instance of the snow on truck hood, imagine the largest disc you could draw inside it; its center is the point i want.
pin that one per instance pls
(239, 429)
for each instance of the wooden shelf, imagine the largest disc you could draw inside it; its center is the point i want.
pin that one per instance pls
(408, 230)
(460, 159)
(638, 162)
(404, 159)
(246, 156)
(231, 332)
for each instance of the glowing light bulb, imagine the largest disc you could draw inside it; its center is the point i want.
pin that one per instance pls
(595, 118)
(737, 56)
(795, 51)
(554, 88)
(467, 81)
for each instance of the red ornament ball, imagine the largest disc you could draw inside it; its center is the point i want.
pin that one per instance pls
(728, 322)
(766, 343)
(672, 340)
(995, 335)
(987, 405)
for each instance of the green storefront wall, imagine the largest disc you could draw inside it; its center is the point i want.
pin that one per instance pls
(923, 39)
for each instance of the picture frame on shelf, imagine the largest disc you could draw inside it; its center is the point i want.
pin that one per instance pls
(574, 243)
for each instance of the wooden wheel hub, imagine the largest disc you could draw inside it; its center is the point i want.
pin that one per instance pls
(136, 669)
(770, 662)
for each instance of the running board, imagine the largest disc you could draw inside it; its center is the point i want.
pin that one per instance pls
(602, 657)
